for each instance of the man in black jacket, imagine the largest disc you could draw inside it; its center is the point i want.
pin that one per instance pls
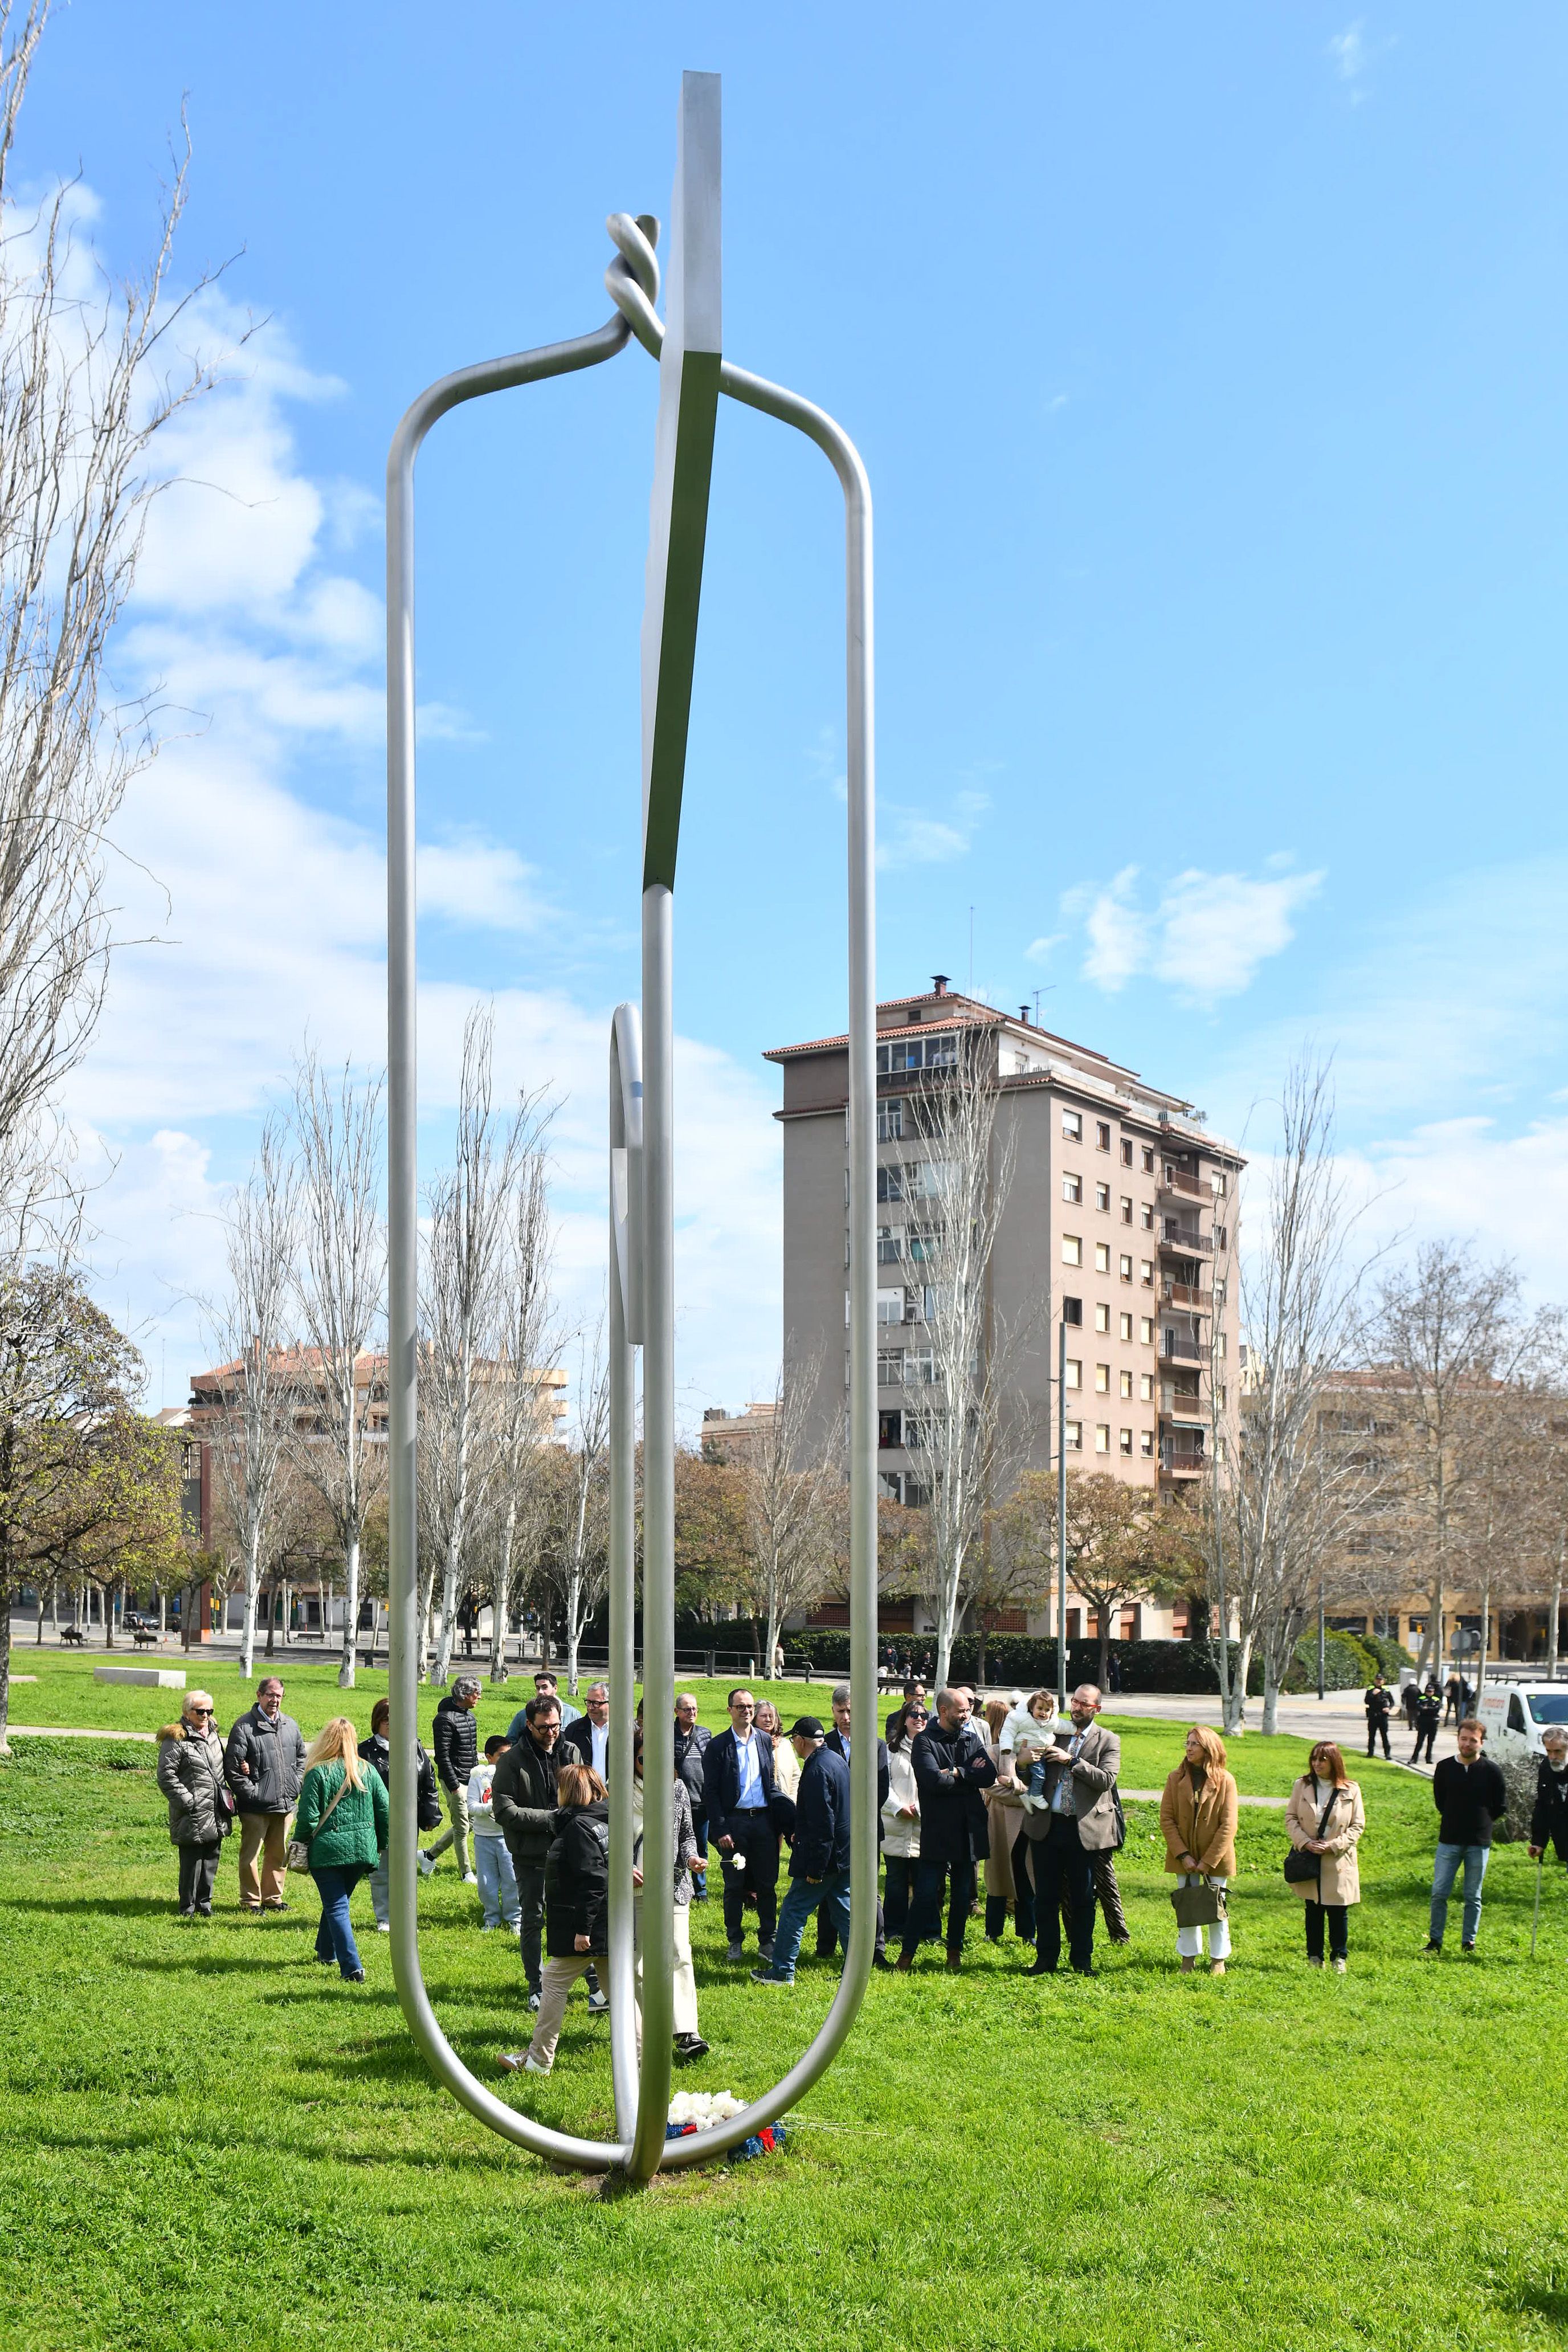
(264, 1764)
(588, 1738)
(522, 1799)
(950, 1767)
(691, 1743)
(819, 1856)
(455, 1737)
(1549, 1819)
(838, 1743)
(1470, 1794)
(1379, 1704)
(738, 1772)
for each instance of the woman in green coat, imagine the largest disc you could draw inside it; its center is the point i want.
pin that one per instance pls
(343, 1817)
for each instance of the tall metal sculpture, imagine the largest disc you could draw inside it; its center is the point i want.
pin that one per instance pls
(692, 373)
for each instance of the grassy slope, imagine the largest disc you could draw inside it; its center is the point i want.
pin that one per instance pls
(202, 2124)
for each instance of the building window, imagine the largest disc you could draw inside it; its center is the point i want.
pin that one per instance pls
(890, 1429)
(1148, 1161)
(1075, 1371)
(1102, 1378)
(1072, 1310)
(890, 1245)
(1146, 1387)
(1126, 1210)
(1072, 1249)
(1126, 1441)
(1072, 1188)
(890, 1305)
(1127, 1389)
(1102, 1437)
(1146, 1273)
(1127, 1151)
(1222, 1344)
(1146, 1443)
(1217, 1183)
(890, 1182)
(918, 1053)
(1146, 1216)
(1075, 1437)
(1072, 1126)
(1102, 1199)
(890, 1368)
(1102, 1257)
(1101, 1135)
(890, 1122)
(1146, 1330)
(1125, 1324)
(1124, 1268)
(1101, 1319)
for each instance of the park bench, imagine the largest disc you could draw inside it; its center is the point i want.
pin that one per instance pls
(73, 1634)
(146, 1637)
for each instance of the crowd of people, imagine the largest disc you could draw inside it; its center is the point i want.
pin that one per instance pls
(1011, 1807)
(1425, 1707)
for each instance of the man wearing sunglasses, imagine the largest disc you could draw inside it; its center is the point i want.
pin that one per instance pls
(265, 1762)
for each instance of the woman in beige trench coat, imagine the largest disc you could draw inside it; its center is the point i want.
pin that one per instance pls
(1326, 1817)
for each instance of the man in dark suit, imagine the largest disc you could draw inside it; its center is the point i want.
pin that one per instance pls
(738, 1777)
(819, 1856)
(951, 1768)
(837, 1743)
(586, 1741)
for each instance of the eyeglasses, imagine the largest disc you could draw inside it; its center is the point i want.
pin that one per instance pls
(198, 1710)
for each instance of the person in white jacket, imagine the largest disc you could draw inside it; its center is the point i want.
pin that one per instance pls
(901, 1817)
(492, 1858)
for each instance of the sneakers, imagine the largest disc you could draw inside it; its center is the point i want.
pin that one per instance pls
(427, 1863)
(765, 1953)
(1314, 1960)
(688, 2046)
(1468, 1947)
(736, 1952)
(489, 1926)
(470, 1877)
(520, 2062)
(598, 2003)
(533, 2000)
(355, 1976)
(767, 1975)
(1431, 1951)
(1339, 1967)
(383, 1927)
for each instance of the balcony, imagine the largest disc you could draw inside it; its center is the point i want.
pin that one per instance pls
(1186, 1295)
(1178, 1243)
(1187, 1351)
(1181, 1460)
(1178, 1187)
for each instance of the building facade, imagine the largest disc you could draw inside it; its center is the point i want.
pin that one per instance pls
(1117, 1203)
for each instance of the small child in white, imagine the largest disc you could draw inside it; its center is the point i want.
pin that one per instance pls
(492, 1858)
(1025, 1735)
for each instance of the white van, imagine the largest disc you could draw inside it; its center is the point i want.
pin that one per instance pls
(1516, 1714)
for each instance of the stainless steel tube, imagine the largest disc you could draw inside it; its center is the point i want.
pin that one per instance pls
(625, 1154)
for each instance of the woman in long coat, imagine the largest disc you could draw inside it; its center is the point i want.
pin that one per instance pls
(1197, 1815)
(1005, 1814)
(190, 1774)
(1326, 1817)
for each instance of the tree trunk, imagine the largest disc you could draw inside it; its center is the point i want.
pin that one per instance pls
(1270, 1695)
(1556, 1607)
(252, 1592)
(109, 1616)
(38, 1637)
(5, 1667)
(1240, 1672)
(1485, 1641)
(500, 1600)
(55, 1610)
(272, 1616)
(1102, 1670)
(351, 1613)
(980, 1669)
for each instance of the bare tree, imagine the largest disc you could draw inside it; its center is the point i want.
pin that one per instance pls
(249, 1431)
(338, 1434)
(967, 1363)
(521, 1428)
(1438, 1330)
(1283, 1506)
(584, 1548)
(83, 395)
(790, 1488)
(464, 1297)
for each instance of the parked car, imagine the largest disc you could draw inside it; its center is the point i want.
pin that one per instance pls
(133, 1622)
(1516, 1714)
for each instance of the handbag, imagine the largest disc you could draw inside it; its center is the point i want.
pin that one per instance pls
(1202, 1905)
(1300, 1865)
(298, 1856)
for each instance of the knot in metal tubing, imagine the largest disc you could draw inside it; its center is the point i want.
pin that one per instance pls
(631, 280)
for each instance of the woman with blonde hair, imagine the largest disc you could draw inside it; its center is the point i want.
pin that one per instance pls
(1324, 1820)
(343, 1820)
(1197, 1815)
(201, 1810)
(786, 1763)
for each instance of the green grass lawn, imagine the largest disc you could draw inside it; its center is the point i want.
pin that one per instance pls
(204, 2135)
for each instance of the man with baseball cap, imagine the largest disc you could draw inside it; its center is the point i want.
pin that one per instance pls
(819, 1856)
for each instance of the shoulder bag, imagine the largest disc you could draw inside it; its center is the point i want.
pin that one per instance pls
(298, 1856)
(1300, 1865)
(1202, 1905)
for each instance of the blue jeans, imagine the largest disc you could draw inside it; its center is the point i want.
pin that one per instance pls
(801, 1899)
(498, 1882)
(381, 1887)
(1445, 1872)
(334, 1937)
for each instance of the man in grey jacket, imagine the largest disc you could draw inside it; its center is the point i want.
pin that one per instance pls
(264, 1764)
(1072, 1821)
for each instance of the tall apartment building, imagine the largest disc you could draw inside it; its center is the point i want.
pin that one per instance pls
(1119, 1202)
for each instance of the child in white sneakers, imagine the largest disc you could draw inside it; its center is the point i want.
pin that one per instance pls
(492, 1857)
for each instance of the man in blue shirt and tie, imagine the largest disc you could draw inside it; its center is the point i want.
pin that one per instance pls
(739, 1780)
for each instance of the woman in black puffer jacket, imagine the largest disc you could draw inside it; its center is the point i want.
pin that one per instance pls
(576, 1908)
(190, 1774)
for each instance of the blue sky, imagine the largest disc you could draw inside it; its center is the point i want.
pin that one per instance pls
(1209, 374)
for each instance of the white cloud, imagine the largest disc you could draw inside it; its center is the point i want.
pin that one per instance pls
(1353, 55)
(1205, 937)
(909, 836)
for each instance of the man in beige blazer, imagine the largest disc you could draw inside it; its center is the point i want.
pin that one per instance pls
(1071, 1819)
